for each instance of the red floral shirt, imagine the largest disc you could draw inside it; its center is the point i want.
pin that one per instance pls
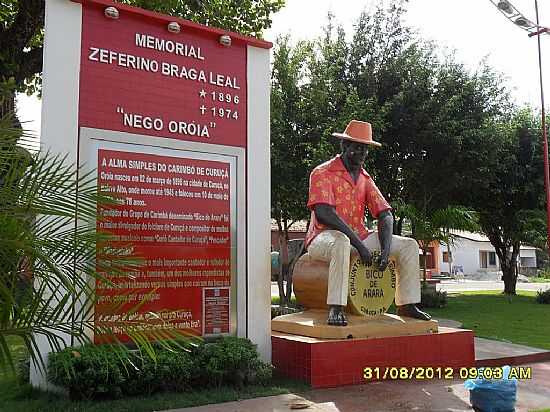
(330, 183)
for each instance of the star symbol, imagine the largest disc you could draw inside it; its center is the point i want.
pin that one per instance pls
(202, 108)
(202, 94)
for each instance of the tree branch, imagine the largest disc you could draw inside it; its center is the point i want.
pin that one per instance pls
(31, 63)
(29, 19)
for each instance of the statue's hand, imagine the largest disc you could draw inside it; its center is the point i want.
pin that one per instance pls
(365, 255)
(382, 262)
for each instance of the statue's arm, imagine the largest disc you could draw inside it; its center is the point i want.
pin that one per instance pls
(327, 215)
(385, 231)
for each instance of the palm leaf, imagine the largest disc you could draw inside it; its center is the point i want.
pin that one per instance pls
(51, 255)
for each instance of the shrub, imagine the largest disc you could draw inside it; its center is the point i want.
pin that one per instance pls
(431, 298)
(277, 310)
(23, 371)
(105, 371)
(543, 297)
(231, 361)
(89, 372)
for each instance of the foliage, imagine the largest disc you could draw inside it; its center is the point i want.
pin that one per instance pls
(289, 156)
(88, 371)
(427, 111)
(51, 253)
(432, 298)
(450, 136)
(277, 310)
(250, 17)
(231, 361)
(22, 32)
(106, 371)
(511, 196)
(543, 296)
(437, 225)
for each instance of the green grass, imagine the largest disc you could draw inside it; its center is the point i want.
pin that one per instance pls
(517, 319)
(539, 280)
(23, 398)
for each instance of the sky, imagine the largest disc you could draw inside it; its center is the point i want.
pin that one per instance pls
(474, 29)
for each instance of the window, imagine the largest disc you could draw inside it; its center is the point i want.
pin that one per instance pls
(446, 257)
(487, 259)
(483, 259)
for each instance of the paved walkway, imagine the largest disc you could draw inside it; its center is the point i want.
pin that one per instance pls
(400, 396)
(469, 285)
(394, 396)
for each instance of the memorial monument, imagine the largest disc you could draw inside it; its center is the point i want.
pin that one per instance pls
(165, 112)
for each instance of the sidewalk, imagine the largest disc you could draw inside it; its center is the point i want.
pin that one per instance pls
(400, 396)
(394, 396)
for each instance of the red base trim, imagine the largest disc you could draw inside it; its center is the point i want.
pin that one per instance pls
(330, 363)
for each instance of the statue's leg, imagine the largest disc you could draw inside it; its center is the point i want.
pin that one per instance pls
(334, 247)
(407, 289)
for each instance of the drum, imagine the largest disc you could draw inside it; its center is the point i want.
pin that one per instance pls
(370, 291)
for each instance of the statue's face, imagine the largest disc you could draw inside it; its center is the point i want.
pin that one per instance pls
(354, 153)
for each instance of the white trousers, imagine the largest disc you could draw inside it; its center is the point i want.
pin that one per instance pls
(334, 247)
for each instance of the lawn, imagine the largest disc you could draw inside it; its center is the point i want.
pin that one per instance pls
(539, 280)
(24, 398)
(17, 397)
(517, 319)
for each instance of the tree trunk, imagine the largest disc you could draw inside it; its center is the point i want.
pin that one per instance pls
(424, 266)
(283, 255)
(450, 259)
(8, 108)
(280, 272)
(398, 226)
(509, 269)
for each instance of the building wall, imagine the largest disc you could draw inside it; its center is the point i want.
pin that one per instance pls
(465, 253)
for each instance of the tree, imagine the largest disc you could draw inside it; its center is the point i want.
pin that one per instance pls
(512, 194)
(436, 226)
(289, 152)
(22, 27)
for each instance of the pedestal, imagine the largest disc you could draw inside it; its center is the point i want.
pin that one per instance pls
(327, 363)
(313, 323)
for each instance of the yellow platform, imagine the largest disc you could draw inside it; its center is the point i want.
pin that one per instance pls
(313, 323)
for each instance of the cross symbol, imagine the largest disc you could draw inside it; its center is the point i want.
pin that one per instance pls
(202, 108)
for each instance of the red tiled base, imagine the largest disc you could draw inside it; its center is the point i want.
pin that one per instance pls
(330, 363)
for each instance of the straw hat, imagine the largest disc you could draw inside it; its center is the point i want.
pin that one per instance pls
(357, 131)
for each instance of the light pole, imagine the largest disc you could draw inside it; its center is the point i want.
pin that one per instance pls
(533, 29)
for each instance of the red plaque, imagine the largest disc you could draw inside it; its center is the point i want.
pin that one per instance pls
(137, 77)
(216, 311)
(174, 213)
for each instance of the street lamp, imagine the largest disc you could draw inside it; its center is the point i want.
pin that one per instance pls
(533, 29)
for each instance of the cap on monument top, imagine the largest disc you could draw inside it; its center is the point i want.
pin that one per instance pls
(358, 131)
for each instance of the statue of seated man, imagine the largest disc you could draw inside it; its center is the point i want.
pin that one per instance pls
(339, 191)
